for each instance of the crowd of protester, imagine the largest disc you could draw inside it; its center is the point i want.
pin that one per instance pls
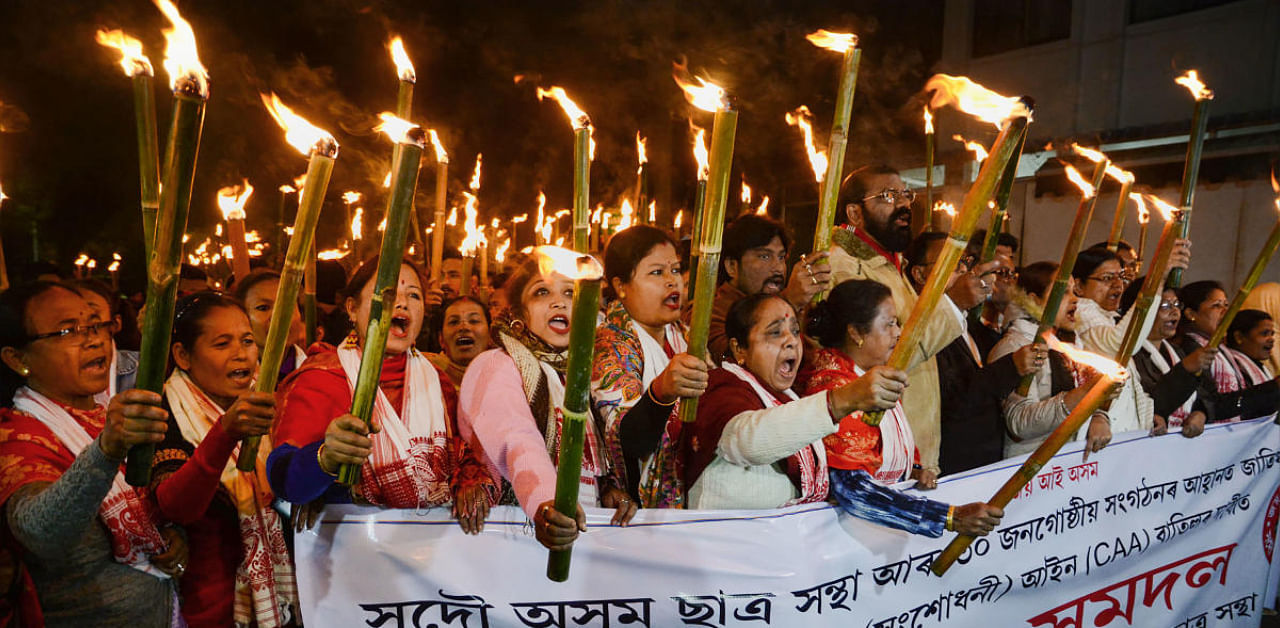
(469, 407)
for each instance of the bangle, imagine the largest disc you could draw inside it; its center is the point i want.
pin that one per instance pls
(951, 515)
(320, 461)
(657, 401)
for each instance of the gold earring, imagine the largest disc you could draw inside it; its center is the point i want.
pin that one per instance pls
(24, 372)
(858, 343)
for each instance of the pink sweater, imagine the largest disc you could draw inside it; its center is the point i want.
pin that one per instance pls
(494, 418)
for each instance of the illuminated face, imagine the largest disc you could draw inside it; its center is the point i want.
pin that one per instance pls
(259, 301)
(774, 347)
(653, 294)
(762, 270)
(1206, 318)
(406, 318)
(1257, 344)
(465, 333)
(67, 367)
(1105, 286)
(889, 222)
(882, 337)
(1167, 317)
(223, 360)
(548, 306)
(451, 277)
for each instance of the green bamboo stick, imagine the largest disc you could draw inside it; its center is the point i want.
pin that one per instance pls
(1251, 280)
(1151, 286)
(928, 170)
(836, 150)
(187, 122)
(999, 213)
(975, 204)
(1062, 277)
(1190, 173)
(437, 231)
(577, 388)
(582, 186)
(723, 135)
(404, 185)
(310, 317)
(1117, 223)
(300, 253)
(148, 151)
(695, 237)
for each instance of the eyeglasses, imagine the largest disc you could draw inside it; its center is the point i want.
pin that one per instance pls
(892, 196)
(83, 332)
(1005, 273)
(1170, 305)
(1110, 278)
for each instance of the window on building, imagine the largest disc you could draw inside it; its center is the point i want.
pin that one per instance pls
(1004, 25)
(1147, 10)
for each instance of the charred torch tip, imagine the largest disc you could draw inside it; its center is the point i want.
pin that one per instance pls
(326, 147)
(192, 86)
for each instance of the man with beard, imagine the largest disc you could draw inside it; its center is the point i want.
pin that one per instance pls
(754, 261)
(869, 246)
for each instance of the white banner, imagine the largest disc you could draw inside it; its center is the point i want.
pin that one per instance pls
(1161, 531)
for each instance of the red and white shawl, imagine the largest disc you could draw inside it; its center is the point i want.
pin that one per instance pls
(409, 465)
(265, 584)
(1163, 358)
(811, 460)
(132, 525)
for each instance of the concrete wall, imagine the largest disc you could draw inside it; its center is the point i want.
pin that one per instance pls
(1230, 224)
(1110, 74)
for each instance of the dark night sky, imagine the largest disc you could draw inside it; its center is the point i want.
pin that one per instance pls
(74, 166)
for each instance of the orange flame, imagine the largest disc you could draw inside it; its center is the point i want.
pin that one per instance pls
(1086, 188)
(653, 211)
(838, 42)
(1108, 368)
(2, 196)
(595, 215)
(386, 181)
(679, 219)
(287, 189)
(300, 181)
(627, 214)
(332, 254)
(945, 207)
(973, 99)
(1275, 189)
(82, 260)
(1191, 81)
(542, 224)
(181, 60)
(452, 220)
(131, 57)
(1096, 156)
(442, 156)
(803, 119)
(357, 224)
(474, 237)
(519, 219)
(1167, 211)
(928, 120)
(475, 176)
(404, 67)
(232, 199)
(577, 117)
(746, 192)
(500, 253)
(571, 264)
(1144, 215)
(351, 197)
(298, 132)
(704, 94)
(397, 129)
(979, 151)
(642, 156)
(700, 153)
(763, 209)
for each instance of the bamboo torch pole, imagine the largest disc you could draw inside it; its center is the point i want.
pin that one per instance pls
(1251, 280)
(708, 97)
(928, 169)
(231, 200)
(442, 194)
(1117, 223)
(1155, 280)
(299, 260)
(701, 155)
(999, 214)
(1191, 168)
(1015, 115)
(1062, 277)
(190, 83)
(586, 273)
(310, 317)
(642, 178)
(846, 44)
(1083, 411)
(4, 270)
(404, 185)
(138, 68)
(404, 111)
(584, 150)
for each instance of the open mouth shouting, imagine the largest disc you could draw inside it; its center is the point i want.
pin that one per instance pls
(241, 377)
(672, 301)
(774, 284)
(787, 367)
(559, 324)
(96, 367)
(400, 326)
(464, 340)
